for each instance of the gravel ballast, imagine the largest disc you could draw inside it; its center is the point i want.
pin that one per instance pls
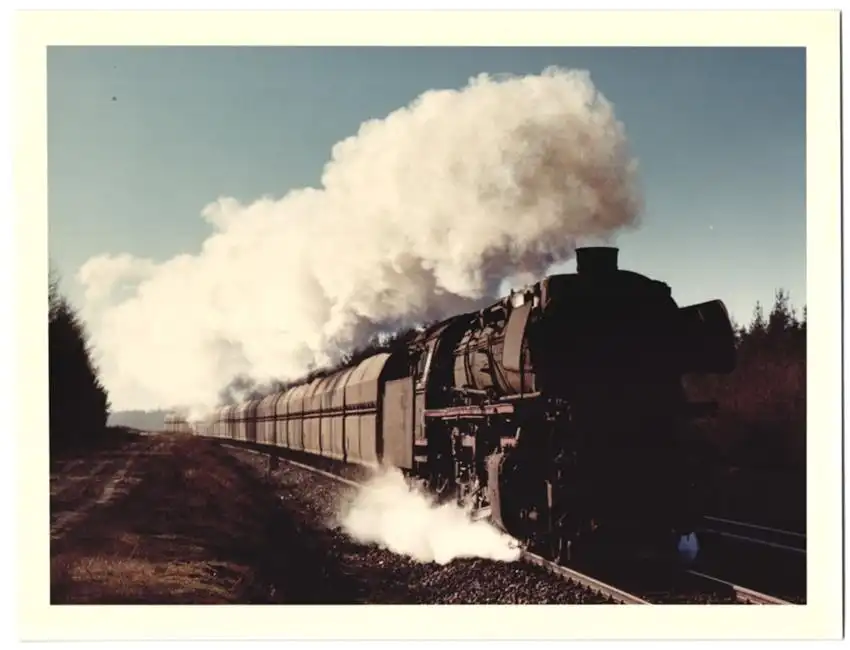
(369, 574)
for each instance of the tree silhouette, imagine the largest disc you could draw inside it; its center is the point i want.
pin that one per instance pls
(79, 406)
(762, 419)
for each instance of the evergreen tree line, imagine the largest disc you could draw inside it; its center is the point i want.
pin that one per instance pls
(79, 405)
(762, 416)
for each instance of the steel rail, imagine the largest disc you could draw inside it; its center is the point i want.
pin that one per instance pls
(742, 594)
(742, 524)
(754, 540)
(295, 463)
(597, 586)
(784, 540)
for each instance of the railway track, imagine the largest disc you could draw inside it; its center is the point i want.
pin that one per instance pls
(702, 588)
(776, 538)
(597, 586)
(741, 594)
(770, 559)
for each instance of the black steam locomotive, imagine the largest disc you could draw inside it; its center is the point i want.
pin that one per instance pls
(559, 410)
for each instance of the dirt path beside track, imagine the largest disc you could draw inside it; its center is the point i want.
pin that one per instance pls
(174, 519)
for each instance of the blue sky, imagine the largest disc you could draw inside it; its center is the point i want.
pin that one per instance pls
(719, 134)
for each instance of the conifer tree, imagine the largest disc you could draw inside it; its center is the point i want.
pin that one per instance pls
(79, 406)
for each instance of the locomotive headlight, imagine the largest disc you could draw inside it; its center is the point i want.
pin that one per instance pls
(688, 547)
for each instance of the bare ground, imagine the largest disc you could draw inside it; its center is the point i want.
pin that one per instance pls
(174, 519)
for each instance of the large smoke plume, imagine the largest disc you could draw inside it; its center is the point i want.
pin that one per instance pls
(421, 214)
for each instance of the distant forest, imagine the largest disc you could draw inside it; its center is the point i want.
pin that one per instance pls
(762, 418)
(143, 420)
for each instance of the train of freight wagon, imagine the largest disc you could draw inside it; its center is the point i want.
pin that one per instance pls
(559, 411)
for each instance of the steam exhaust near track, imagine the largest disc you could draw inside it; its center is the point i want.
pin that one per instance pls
(395, 514)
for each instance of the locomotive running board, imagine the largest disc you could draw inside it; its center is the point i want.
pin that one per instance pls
(470, 411)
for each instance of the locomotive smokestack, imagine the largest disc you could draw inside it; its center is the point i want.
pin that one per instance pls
(596, 259)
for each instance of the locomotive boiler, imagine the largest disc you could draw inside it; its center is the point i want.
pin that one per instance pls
(558, 410)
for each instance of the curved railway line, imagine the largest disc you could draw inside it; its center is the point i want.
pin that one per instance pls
(697, 587)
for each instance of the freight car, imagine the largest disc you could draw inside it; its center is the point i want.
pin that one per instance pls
(559, 409)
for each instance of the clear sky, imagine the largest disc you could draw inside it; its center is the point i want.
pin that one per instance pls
(719, 134)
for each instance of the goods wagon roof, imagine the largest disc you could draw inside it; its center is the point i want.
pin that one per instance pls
(341, 380)
(332, 381)
(286, 398)
(295, 393)
(267, 404)
(316, 387)
(362, 384)
(294, 398)
(246, 408)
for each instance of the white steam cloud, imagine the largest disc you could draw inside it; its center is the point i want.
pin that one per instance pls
(422, 214)
(396, 515)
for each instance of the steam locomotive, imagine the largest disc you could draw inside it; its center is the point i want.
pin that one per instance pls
(559, 411)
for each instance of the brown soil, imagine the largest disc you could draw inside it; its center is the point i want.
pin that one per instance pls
(174, 519)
